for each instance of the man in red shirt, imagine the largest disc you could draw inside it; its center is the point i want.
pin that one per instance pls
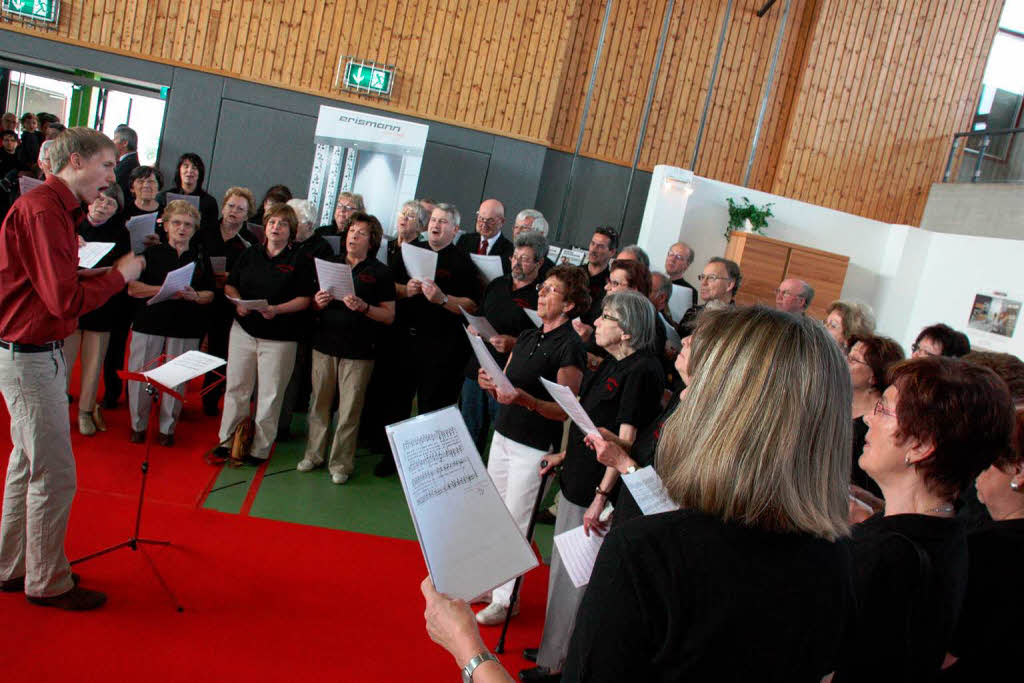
(41, 297)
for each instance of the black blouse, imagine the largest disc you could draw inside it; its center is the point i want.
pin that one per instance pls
(278, 279)
(503, 307)
(645, 448)
(341, 332)
(175, 317)
(119, 306)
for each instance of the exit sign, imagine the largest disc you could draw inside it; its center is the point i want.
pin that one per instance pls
(39, 10)
(368, 77)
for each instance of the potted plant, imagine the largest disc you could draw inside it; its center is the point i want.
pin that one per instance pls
(753, 217)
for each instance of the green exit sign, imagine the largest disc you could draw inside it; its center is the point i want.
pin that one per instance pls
(370, 78)
(39, 10)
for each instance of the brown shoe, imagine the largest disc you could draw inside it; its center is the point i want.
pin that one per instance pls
(97, 418)
(137, 437)
(77, 599)
(18, 585)
(165, 439)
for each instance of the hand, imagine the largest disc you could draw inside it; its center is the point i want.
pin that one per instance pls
(485, 381)
(472, 330)
(241, 310)
(130, 266)
(81, 242)
(270, 312)
(502, 343)
(583, 330)
(507, 398)
(354, 303)
(150, 240)
(553, 460)
(414, 287)
(188, 294)
(432, 292)
(858, 511)
(322, 298)
(865, 500)
(592, 517)
(451, 624)
(610, 454)
(609, 435)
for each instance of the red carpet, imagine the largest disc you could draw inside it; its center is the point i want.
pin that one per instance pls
(264, 600)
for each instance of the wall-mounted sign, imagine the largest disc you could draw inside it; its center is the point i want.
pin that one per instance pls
(37, 10)
(367, 77)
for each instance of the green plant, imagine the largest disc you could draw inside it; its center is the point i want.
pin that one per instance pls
(757, 215)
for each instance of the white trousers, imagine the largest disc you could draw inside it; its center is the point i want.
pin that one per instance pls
(144, 349)
(248, 358)
(93, 346)
(514, 469)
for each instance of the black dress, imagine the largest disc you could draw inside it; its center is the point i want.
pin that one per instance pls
(682, 596)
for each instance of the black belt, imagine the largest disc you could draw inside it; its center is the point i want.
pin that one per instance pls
(32, 348)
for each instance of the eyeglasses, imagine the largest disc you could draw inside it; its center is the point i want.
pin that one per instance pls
(617, 283)
(915, 348)
(346, 207)
(408, 214)
(488, 221)
(880, 410)
(605, 316)
(548, 289)
(785, 293)
(522, 258)
(711, 278)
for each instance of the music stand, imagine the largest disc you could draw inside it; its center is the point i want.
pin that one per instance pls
(153, 389)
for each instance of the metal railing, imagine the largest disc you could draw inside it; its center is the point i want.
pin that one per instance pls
(986, 156)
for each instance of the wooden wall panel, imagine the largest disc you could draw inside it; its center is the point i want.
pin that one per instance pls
(863, 103)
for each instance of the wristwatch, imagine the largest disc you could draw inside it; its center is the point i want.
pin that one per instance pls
(631, 469)
(444, 299)
(467, 671)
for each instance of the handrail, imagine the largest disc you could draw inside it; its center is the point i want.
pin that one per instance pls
(985, 131)
(986, 136)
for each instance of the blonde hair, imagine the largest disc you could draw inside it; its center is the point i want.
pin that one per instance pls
(763, 436)
(356, 199)
(178, 207)
(243, 192)
(82, 141)
(858, 318)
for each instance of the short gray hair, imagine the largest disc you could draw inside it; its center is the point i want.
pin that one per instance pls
(807, 294)
(451, 210)
(535, 241)
(127, 135)
(421, 214)
(636, 317)
(666, 283)
(304, 210)
(640, 254)
(540, 224)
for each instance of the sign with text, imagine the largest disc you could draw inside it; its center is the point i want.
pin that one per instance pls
(38, 10)
(374, 79)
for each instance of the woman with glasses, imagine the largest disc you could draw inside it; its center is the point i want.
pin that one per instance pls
(528, 425)
(937, 426)
(719, 284)
(348, 204)
(940, 340)
(846, 319)
(869, 359)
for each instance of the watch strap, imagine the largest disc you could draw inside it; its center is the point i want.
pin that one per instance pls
(467, 671)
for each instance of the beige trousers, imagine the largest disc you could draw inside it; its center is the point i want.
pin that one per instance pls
(349, 379)
(248, 358)
(93, 346)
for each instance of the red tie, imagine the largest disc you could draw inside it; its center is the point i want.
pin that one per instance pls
(482, 250)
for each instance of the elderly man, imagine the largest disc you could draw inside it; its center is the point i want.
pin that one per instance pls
(677, 260)
(488, 240)
(530, 219)
(793, 296)
(127, 142)
(718, 286)
(634, 252)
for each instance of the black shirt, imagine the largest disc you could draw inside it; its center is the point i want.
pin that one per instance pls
(277, 279)
(117, 307)
(858, 476)
(910, 578)
(682, 596)
(538, 354)
(645, 448)
(619, 392)
(175, 317)
(341, 332)
(989, 625)
(597, 284)
(209, 212)
(213, 244)
(503, 308)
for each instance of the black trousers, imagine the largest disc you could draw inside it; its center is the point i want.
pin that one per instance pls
(217, 334)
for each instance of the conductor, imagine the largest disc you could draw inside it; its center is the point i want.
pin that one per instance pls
(41, 297)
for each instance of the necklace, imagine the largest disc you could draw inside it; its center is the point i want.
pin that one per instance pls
(942, 510)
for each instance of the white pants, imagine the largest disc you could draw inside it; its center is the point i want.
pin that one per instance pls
(93, 346)
(145, 348)
(515, 471)
(40, 474)
(248, 358)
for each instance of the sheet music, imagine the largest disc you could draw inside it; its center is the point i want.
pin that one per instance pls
(480, 324)
(382, 252)
(649, 491)
(190, 198)
(335, 278)
(469, 540)
(219, 264)
(534, 316)
(671, 336)
(335, 242)
(91, 254)
(490, 266)
(176, 281)
(570, 404)
(420, 264)
(578, 552)
(489, 365)
(138, 228)
(575, 256)
(553, 253)
(185, 367)
(251, 304)
(680, 302)
(25, 184)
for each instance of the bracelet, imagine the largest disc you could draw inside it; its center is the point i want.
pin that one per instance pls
(366, 311)
(598, 490)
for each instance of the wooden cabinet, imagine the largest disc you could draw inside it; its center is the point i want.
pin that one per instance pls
(765, 262)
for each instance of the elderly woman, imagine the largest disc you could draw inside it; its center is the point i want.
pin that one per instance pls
(145, 182)
(227, 243)
(348, 203)
(869, 359)
(623, 395)
(170, 327)
(846, 319)
(528, 425)
(940, 340)
(938, 425)
(344, 348)
(103, 223)
(410, 223)
(263, 342)
(996, 554)
(188, 180)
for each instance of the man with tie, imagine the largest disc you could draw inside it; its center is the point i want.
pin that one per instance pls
(488, 240)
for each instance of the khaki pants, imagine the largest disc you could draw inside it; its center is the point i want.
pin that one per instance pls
(40, 474)
(248, 358)
(93, 346)
(146, 348)
(349, 378)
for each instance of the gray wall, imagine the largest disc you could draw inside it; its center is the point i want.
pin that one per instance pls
(980, 209)
(256, 136)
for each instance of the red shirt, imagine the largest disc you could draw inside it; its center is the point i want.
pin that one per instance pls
(41, 294)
